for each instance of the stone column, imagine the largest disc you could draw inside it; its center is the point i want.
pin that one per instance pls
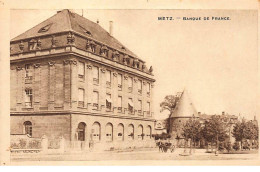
(102, 89)
(74, 84)
(51, 87)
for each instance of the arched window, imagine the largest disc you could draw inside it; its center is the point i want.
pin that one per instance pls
(120, 132)
(81, 131)
(131, 132)
(28, 128)
(96, 132)
(109, 132)
(149, 132)
(140, 132)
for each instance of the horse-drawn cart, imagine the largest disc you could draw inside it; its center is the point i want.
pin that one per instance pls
(164, 147)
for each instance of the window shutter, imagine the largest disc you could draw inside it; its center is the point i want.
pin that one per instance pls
(95, 97)
(81, 95)
(119, 79)
(119, 101)
(95, 72)
(81, 68)
(108, 76)
(130, 82)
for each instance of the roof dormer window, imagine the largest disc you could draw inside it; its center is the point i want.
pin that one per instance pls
(86, 31)
(45, 28)
(89, 33)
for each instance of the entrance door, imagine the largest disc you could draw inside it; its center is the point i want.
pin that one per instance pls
(81, 131)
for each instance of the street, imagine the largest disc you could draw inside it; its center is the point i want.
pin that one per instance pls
(145, 154)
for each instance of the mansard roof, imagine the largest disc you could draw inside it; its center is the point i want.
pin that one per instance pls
(185, 107)
(65, 21)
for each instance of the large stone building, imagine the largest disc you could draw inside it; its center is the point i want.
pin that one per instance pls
(71, 78)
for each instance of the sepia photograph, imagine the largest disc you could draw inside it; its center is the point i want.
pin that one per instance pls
(134, 85)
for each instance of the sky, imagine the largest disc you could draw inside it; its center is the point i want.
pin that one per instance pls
(214, 60)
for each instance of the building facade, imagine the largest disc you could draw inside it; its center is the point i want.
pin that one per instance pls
(71, 78)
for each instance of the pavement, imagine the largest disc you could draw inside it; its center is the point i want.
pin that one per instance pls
(138, 154)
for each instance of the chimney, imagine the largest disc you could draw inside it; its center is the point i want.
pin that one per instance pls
(223, 113)
(97, 21)
(199, 113)
(111, 28)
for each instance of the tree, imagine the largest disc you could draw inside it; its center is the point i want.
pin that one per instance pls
(245, 130)
(215, 130)
(169, 103)
(192, 130)
(251, 131)
(239, 132)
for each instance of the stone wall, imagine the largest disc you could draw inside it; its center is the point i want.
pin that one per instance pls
(53, 126)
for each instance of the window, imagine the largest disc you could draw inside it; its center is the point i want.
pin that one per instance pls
(95, 100)
(140, 133)
(119, 81)
(93, 46)
(149, 132)
(120, 130)
(81, 93)
(109, 132)
(148, 88)
(139, 107)
(148, 108)
(28, 71)
(27, 128)
(131, 132)
(32, 44)
(96, 131)
(108, 102)
(28, 98)
(108, 78)
(130, 84)
(81, 70)
(130, 105)
(95, 75)
(139, 85)
(119, 103)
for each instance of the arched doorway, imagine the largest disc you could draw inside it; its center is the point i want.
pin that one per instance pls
(109, 132)
(81, 131)
(131, 132)
(96, 131)
(120, 132)
(149, 132)
(140, 132)
(28, 128)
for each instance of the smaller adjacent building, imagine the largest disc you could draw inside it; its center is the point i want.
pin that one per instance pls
(160, 127)
(184, 111)
(230, 120)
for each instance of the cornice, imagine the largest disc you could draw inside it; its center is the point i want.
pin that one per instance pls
(71, 112)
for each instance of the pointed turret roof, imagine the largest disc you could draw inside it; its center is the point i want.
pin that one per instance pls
(185, 107)
(66, 20)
